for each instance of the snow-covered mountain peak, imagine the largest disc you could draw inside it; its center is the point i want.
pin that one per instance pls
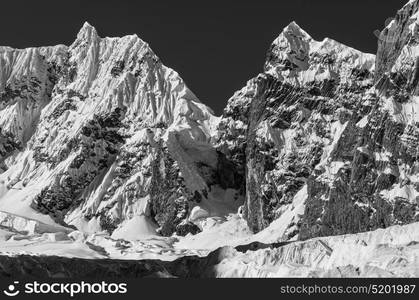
(308, 106)
(293, 29)
(295, 57)
(115, 71)
(289, 50)
(88, 34)
(87, 31)
(102, 123)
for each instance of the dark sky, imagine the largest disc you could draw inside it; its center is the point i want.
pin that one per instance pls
(216, 46)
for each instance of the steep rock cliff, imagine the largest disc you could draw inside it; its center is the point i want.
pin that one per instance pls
(320, 124)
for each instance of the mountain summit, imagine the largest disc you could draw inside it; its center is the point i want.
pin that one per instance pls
(100, 132)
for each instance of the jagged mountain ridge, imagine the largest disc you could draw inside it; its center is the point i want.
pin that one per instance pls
(290, 117)
(321, 143)
(108, 135)
(329, 145)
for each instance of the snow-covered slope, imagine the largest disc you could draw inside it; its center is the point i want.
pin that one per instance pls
(27, 78)
(320, 128)
(297, 58)
(102, 132)
(391, 252)
(292, 117)
(383, 253)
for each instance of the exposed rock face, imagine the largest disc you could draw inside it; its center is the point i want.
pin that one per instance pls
(296, 112)
(319, 123)
(377, 185)
(101, 131)
(397, 44)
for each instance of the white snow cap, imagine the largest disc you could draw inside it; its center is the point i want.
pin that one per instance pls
(297, 58)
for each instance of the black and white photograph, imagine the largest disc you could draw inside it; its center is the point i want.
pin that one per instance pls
(209, 139)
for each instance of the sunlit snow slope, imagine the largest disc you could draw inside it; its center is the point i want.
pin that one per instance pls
(102, 136)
